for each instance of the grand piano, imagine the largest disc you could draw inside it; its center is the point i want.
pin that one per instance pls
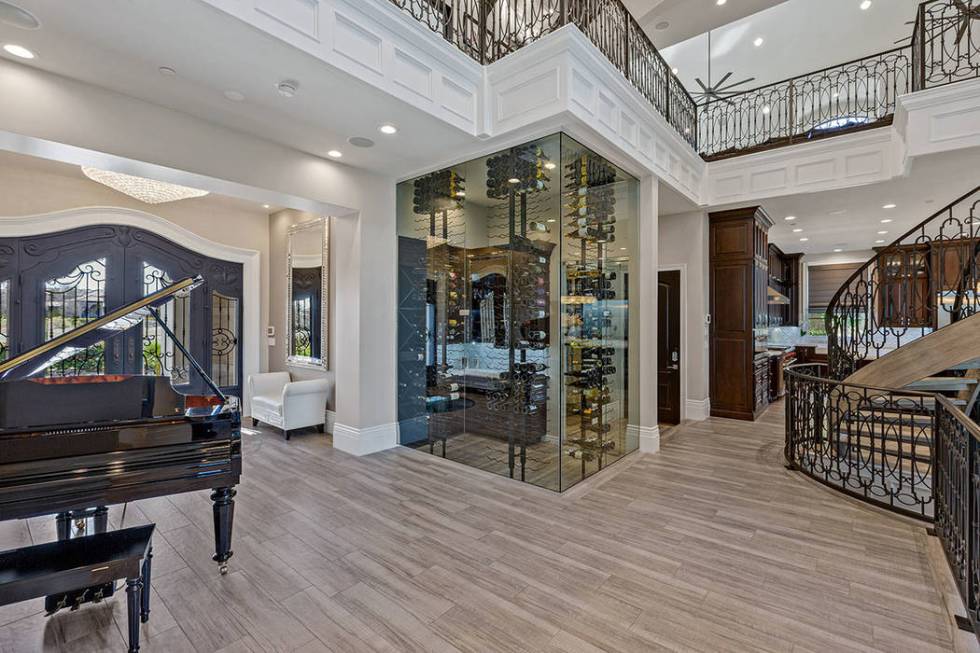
(73, 445)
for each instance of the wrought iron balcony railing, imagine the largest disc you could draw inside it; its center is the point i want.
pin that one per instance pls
(856, 95)
(862, 94)
(489, 31)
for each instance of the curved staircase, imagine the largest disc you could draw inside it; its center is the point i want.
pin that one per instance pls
(892, 418)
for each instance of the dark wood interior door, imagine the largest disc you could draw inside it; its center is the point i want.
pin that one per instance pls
(669, 348)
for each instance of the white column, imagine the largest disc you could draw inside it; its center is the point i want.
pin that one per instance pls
(648, 255)
(365, 247)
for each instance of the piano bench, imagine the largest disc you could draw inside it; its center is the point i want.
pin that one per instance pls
(65, 566)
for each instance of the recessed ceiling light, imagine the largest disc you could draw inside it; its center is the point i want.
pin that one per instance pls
(797, 230)
(879, 241)
(882, 233)
(360, 141)
(838, 250)
(886, 221)
(13, 15)
(790, 218)
(662, 25)
(266, 206)
(18, 51)
(889, 206)
(287, 88)
(721, 2)
(804, 239)
(336, 154)
(388, 129)
(166, 71)
(235, 96)
(866, 5)
(551, 165)
(758, 41)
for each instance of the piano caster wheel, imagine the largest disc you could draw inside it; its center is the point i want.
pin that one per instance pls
(223, 569)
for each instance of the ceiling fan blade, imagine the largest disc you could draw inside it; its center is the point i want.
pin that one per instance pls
(721, 81)
(701, 84)
(744, 81)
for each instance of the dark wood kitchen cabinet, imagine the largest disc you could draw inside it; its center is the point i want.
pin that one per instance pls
(739, 287)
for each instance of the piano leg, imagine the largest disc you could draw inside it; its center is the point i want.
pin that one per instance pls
(224, 515)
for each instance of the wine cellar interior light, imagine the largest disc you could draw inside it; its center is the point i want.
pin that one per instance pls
(148, 191)
(513, 324)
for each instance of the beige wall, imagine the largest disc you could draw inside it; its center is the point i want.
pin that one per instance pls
(684, 241)
(30, 186)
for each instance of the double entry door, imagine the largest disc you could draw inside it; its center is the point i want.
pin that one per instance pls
(53, 283)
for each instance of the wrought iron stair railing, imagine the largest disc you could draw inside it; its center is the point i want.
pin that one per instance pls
(925, 280)
(862, 94)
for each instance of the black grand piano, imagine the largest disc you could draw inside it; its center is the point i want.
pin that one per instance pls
(72, 445)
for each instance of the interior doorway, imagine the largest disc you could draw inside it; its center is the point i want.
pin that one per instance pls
(669, 347)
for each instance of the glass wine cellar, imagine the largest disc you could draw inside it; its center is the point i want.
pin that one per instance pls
(514, 312)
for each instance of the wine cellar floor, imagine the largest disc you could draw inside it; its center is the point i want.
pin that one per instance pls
(490, 455)
(710, 545)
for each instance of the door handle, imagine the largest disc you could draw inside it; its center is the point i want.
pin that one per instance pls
(673, 367)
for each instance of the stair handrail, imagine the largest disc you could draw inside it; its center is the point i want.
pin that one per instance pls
(860, 301)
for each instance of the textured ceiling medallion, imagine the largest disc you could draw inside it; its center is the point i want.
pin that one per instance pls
(148, 191)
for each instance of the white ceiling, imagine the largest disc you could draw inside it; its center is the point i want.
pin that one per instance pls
(688, 18)
(121, 44)
(850, 219)
(800, 36)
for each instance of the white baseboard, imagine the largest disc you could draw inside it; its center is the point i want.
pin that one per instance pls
(649, 437)
(362, 442)
(698, 409)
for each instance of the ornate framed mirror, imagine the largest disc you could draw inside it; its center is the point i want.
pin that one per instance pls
(308, 294)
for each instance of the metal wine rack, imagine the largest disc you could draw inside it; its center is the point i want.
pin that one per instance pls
(590, 218)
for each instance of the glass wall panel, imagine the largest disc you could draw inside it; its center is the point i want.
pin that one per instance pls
(513, 312)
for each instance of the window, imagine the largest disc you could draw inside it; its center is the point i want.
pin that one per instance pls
(160, 356)
(69, 302)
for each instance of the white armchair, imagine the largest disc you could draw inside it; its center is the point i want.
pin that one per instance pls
(279, 401)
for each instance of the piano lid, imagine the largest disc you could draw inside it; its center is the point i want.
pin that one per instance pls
(36, 361)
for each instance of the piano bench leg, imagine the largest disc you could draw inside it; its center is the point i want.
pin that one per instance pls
(224, 516)
(255, 423)
(145, 592)
(133, 613)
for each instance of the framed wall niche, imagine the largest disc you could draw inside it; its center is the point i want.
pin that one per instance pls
(513, 321)
(307, 294)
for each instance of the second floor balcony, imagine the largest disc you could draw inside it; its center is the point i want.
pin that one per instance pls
(856, 95)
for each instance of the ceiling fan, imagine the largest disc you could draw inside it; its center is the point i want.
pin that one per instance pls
(720, 90)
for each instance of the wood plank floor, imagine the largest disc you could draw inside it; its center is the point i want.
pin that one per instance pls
(709, 546)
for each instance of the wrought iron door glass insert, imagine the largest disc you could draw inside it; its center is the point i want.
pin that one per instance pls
(70, 301)
(4, 317)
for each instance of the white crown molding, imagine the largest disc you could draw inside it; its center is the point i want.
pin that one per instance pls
(252, 332)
